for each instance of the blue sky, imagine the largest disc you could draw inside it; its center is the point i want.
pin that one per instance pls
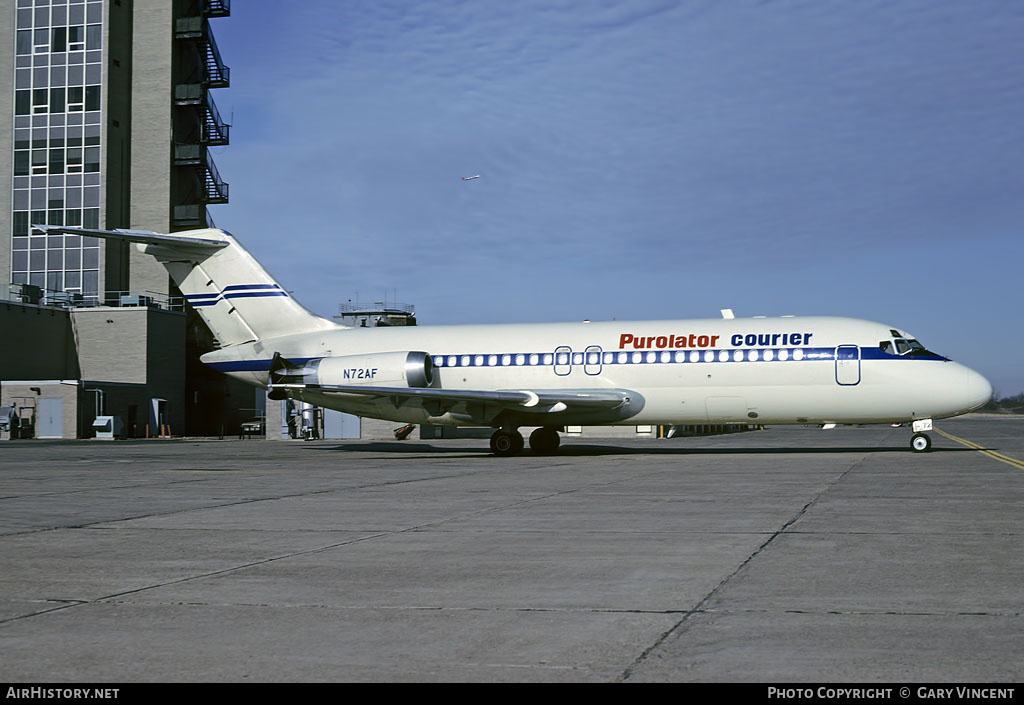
(638, 160)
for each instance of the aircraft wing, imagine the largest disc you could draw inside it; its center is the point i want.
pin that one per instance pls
(519, 399)
(146, 237)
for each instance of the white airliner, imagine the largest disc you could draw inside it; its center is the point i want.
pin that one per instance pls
(788, 370)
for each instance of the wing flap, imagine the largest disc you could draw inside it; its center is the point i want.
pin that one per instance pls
(522, 399)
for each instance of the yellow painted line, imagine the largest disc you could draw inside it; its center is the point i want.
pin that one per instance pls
(1019, 464)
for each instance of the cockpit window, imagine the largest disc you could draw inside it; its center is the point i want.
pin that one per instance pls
(885, 346)
(910, 347)
(917, 349)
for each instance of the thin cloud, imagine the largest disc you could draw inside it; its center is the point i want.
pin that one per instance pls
(663, 150)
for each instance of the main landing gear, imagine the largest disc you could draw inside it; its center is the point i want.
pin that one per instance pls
(506, 442)
(544, 441)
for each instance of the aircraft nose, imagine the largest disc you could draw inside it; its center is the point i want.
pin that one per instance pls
(978, 389)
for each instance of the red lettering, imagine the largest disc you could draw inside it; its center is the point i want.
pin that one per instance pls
(644, 342)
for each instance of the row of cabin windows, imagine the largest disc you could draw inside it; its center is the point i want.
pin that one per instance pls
(618, 358)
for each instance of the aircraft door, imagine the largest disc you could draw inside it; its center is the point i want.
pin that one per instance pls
(848, 365)
(563, 360)
(592, 360)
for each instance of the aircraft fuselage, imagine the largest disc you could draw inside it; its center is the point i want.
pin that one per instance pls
(789, 370)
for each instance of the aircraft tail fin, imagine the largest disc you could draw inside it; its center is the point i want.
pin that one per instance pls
(231, 292)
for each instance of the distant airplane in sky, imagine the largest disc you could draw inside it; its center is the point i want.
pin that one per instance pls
(470, 178)
(787, 370)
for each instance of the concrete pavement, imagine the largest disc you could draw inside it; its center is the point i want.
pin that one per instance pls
(787, 555)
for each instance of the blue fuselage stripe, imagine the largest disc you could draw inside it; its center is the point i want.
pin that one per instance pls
(633, 357)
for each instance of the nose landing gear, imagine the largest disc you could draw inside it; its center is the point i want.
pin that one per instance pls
(921, 442)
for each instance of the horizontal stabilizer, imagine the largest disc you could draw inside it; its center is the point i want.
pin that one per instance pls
(146, 237)
(228, 289)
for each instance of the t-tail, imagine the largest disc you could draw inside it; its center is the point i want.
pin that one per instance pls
(236, 298)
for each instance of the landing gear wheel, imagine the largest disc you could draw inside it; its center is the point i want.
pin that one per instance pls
(544, 441)
(506, 443)
(921, 442)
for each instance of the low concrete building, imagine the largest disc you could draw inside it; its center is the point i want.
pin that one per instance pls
(63, 367)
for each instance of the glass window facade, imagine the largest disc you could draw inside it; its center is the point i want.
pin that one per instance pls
(58, 114)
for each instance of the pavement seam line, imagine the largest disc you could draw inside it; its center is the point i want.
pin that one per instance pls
(388, 483)
(699, 607)
(112, 596)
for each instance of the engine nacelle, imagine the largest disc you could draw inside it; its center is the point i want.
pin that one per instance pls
(393, 369)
